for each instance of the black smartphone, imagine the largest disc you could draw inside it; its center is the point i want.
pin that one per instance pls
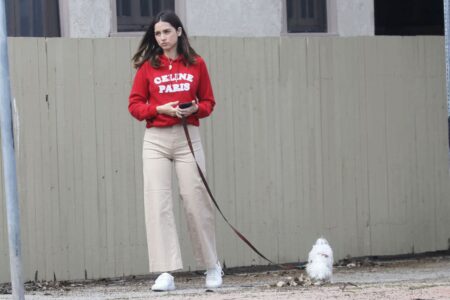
(185, 105)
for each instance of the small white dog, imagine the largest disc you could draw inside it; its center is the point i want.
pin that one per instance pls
(320, 261)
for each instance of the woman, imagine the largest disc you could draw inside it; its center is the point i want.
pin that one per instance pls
(170, 73)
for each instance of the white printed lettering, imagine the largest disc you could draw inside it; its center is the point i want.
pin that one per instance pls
(183, 76)
(169, 89)
(176, 87)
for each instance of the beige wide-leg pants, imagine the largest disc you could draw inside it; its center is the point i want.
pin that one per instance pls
(163, 146)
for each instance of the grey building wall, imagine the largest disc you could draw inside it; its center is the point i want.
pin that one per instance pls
(355, 17)
(268, 17)
(234, 17)
(86, 18)
(238, 18)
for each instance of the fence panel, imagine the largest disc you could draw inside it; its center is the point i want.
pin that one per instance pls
(311, 136)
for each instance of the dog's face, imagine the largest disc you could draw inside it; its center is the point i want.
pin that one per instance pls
(322, 245)
(321, 241)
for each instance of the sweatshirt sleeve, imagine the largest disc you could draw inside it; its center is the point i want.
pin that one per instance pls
(138, 104)
(205, 94)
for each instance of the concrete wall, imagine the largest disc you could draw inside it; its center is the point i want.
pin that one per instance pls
(238, 18)
(267, 17)
(234, 17)
(86, 18)
(340, 137)
(355, 17)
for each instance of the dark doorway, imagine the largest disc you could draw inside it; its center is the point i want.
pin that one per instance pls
(133, 15)
(409, 17)
(32, 18)
(306, 15)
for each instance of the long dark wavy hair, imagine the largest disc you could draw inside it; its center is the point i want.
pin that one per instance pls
(150, 50)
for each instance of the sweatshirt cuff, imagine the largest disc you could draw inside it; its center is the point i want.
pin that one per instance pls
(201, 112)
(152, 112)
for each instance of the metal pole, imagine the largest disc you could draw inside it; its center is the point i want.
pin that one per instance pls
(9, 164)
(447, 48)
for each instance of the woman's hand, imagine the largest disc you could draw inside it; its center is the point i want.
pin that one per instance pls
(168, 109)
(186, 112)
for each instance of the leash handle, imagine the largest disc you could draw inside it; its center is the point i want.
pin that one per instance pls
(238, 233)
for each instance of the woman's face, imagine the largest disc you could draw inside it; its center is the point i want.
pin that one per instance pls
(166, 36)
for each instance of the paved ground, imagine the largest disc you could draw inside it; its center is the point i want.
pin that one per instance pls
(418, 279)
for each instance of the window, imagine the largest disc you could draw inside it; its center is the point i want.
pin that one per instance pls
(135, 15)
(409, 17)
(32, 18)
(306, 15)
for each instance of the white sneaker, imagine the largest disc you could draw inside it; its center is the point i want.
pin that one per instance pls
(163, 283)
(214, 277)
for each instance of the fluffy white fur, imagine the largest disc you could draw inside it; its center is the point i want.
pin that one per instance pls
(320, 261)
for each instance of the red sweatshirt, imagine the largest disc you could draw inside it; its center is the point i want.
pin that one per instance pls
(153, 87)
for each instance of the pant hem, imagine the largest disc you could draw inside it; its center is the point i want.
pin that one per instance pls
(162, 269)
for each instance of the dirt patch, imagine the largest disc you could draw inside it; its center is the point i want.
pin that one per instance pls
(408, 278)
